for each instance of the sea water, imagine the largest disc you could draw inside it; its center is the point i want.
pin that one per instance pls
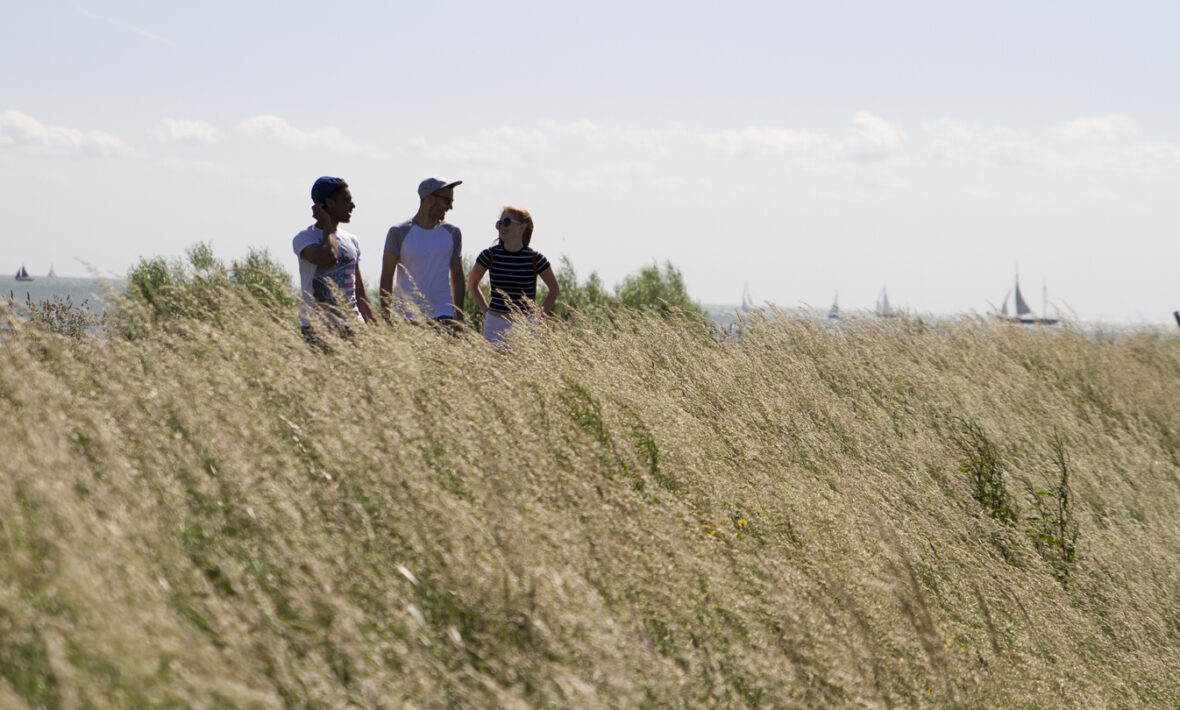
(90, 292)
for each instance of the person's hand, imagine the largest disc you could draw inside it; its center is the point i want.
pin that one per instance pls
(321, 216)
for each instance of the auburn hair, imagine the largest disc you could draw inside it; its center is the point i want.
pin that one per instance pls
(525, 218)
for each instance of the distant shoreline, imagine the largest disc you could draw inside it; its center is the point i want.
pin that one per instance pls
(46, 288)
(93, 292)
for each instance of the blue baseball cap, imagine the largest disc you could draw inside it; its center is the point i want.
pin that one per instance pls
(325, 187)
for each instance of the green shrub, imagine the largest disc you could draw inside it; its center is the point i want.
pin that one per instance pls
(651, 288)
(658, 288)
(587, 297)
(1054, 527)
(985, 472)
(159, 289)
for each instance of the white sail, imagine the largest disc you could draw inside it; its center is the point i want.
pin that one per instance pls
(747, 299)
(883, 308)
(834, 311)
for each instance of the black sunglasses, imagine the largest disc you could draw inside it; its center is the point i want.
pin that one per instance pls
(504, 222)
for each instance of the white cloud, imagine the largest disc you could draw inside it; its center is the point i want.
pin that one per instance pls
(191, 132)
(1026, 152)
(1146, 154)
(520, 138)
(768, 141)
(23, 131)
(1099, 129)
(506, 144)
(870, 151)
(473, 151)
(1085, 145)
(963, 143)
(657, 140)
(585, 129)
(999, 145)
(871, 139)
(275, 127)
(955, 140)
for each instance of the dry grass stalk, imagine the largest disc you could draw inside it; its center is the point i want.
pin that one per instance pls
(614, 514)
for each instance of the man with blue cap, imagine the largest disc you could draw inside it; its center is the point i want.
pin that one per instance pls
(430, 282)
(329, 260)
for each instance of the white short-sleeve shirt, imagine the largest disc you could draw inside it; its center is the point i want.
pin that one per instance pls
(424, 256)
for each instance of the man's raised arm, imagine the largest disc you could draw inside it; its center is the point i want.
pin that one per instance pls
(328, 251)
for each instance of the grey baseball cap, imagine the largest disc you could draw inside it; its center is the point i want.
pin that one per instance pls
(429, 186)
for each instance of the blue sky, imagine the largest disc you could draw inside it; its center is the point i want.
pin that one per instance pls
(804, 149)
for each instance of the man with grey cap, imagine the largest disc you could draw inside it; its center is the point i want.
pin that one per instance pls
(430, 281)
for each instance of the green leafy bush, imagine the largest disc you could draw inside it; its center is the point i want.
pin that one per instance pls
(660, 289)
(1054, 527)
(161, 289)
(985, 472)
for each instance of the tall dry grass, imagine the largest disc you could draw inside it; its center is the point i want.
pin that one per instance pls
(617, 513)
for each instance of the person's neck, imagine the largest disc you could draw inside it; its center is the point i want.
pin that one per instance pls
(514, 244)
(332, 226)
(424, 220)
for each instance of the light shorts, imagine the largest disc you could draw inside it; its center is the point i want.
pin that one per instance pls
(495, 328)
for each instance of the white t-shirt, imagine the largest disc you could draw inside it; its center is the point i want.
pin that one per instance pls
(424, 255)
(314, 280)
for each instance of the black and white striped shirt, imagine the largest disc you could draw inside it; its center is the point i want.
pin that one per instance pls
(514, 273)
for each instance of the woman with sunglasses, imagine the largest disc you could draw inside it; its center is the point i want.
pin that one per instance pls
(513, 269)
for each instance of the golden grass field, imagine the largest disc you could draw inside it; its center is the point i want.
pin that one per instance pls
(624, 511)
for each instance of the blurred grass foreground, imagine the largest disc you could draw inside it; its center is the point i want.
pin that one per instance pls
(625, 510)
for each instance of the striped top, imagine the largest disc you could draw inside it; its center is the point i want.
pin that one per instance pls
(512, 273)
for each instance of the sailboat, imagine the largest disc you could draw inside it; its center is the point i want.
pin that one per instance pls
(22, 274)
(747, 299)
(51, 274)
(883, 309)
(834, 311)
(1024, 313)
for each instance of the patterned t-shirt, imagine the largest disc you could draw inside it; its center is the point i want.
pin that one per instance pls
(513, 273)
(317, 282)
